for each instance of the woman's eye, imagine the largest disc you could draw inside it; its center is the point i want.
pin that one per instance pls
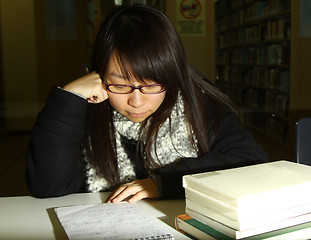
(120, 86)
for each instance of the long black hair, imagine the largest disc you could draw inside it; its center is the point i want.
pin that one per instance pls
(148, 46)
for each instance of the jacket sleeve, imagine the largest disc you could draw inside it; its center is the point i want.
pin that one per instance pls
(234, 146)
(53, 164)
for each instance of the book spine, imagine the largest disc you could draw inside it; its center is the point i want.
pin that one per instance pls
(191, 182)
(218, 216)
(299, 231)
(199, 229)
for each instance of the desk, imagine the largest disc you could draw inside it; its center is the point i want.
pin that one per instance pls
(32, 218)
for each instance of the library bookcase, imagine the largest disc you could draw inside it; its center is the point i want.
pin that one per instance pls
(253, 41)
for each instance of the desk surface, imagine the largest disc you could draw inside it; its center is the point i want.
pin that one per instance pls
(32, 218)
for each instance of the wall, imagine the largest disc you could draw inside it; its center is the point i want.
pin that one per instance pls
(200, 50)
(19, 62)
(32, 64)
(59, 60)
(300, 64)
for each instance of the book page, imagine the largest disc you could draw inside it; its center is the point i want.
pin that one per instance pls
(112, 221)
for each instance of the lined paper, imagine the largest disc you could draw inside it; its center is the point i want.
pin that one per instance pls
(111, 221)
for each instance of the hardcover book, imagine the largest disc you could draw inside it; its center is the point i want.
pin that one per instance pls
(243, 219)
(245, 224)
(199, 230)
(265, 187)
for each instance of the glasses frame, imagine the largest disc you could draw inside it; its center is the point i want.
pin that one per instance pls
(133, 88)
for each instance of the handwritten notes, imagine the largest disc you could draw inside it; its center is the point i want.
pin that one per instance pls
(110, 221)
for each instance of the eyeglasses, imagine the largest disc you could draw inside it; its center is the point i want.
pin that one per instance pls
(126, 89)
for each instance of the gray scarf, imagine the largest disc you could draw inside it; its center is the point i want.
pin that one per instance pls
(169, 147)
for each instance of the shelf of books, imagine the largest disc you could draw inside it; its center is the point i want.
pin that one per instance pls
(253, 61)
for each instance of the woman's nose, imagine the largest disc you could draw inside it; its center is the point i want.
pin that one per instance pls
(136, 99)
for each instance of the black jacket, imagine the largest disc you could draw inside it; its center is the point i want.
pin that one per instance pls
(54, 166)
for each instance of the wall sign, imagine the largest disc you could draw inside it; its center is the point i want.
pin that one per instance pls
(190, 17)
(60, 20)
(305, 19)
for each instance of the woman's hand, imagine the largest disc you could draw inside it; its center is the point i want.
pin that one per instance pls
(138, 189)
(90, 86)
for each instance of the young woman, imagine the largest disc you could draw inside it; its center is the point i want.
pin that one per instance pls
(138, 122)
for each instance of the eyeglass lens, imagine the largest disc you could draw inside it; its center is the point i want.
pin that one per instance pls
(151, 89)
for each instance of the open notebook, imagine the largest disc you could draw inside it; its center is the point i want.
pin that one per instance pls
(113, 221)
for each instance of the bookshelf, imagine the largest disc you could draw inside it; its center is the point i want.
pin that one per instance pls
(253, 48)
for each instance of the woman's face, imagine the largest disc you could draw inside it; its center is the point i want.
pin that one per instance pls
(135, 106)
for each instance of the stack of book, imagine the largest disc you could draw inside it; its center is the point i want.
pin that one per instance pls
(254, 202)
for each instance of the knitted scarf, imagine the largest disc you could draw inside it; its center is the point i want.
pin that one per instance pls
(171, 144)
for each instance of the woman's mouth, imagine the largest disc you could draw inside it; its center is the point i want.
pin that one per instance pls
(137, 115)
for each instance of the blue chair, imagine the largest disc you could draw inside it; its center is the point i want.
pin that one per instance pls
(303, 141)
